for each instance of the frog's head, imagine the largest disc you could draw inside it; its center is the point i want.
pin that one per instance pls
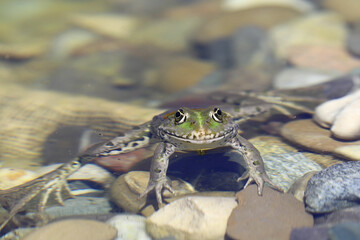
(198, 126)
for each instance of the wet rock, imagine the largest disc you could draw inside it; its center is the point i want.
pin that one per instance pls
(281, 164)
(129, 227)
(310, 233)
(317, 57)
(80, 206)
(333, 188)
(124, 162)
(73, 230)
(312, 30)
(351, 214)
(125, 192)
(192, 218)
(11, 177)
(23, 51)
(341, 115)
(180, 73)
(309, 135)
(348, 11)
(281, 213)
(298, 77)
(297, 189)
(349, 230)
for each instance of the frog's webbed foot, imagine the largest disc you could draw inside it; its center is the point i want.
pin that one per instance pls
(158, 186)
(260, 179)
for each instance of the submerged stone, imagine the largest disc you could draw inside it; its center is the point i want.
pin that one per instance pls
(333, 188)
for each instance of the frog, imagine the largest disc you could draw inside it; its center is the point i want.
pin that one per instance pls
(35, 194)
(190, 129)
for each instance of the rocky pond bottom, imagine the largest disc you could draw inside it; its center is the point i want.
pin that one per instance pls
(218, 210)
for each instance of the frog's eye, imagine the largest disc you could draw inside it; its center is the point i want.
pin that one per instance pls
(180, 116)
(217, 115)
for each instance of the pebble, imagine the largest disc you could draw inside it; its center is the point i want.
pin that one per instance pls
(270, 216)
(75, 229)
(301, 6)
(80, 206)
(282, 165)
(342, 115)
(129, 227)
(348, 230)
(179, 73)
(311, 30)
(298, 77)
(11, 177)
(326, 58)
(192, 218)
(310, 136)
(125, 192)
(348, 11)
(116, 26)
(333, 188)
(351, 214)
(297, 189)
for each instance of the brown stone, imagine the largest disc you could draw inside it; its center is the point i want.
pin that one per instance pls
(270, 216)
(309, 135)
(327, 58)
(349, 10)
(75, 229)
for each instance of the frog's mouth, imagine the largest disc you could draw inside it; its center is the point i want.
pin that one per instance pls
(199, 137)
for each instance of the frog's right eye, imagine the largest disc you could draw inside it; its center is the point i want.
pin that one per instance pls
(180, 116)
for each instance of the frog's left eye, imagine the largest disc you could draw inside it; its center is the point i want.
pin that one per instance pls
(217, 115)
(180, 116)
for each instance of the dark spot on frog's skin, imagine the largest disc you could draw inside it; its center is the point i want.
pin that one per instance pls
(157, 170)
(255, 163)
(134, 144)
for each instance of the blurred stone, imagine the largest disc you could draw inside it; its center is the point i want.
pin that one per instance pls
(270, 216)
(353, 40)
(327, 58)
(166, 34)
(311, 30)
(125, 192)
(22, 51)
(333, 188)
(225, 24)
(297, 189)
(191, 218)
(195, 8)
(340, 115)
(75, 229)
(349, 10)
(180, 73)
(309, 135)
(299, 5)
(299, 77)
(114, 26)
(68, 42)
(11, 177)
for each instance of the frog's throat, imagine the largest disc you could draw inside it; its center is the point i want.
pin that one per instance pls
(198, 137)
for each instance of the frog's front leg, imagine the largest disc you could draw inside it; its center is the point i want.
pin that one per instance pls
(159, 165)
(256, 171)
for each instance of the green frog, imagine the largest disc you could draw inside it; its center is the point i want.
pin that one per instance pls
(189, 130)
